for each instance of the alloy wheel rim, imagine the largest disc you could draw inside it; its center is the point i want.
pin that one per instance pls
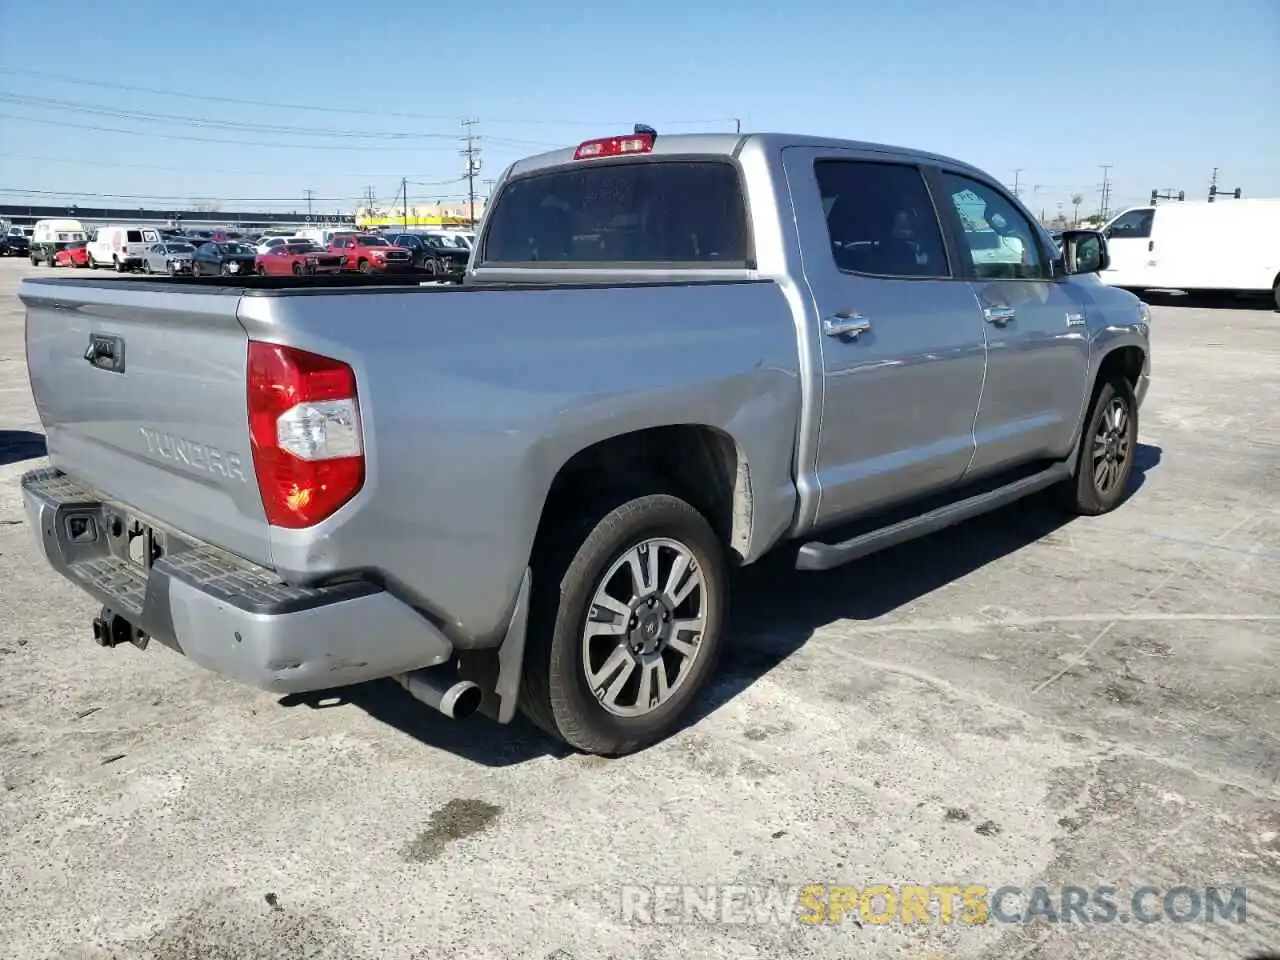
(1111, 447)
(644, 627)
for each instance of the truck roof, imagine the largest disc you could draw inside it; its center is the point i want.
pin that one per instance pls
(731, 144)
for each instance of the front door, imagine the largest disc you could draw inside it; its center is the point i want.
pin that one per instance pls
(1037, 329)
(901, 340)
(1131, 248)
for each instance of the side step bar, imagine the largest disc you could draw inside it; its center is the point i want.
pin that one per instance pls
(824, 556)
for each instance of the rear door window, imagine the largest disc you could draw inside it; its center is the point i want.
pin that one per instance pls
(880, 219)
(134, 236)
(635, 212)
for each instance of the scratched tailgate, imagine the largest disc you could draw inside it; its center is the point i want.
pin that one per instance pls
(141, 390)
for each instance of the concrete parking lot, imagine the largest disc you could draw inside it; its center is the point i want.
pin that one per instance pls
(1021, 701)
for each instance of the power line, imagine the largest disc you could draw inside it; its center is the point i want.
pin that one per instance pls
(111, 111)
(319, 108)
(188, 168)
(244, 143)
(310, 196)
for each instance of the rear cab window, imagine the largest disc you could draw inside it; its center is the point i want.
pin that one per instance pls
(134, 236)
(636, 212)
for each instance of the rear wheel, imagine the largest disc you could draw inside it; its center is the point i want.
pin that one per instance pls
(626, 624)
(118, 264)
(1275, 292)
(1105, 460)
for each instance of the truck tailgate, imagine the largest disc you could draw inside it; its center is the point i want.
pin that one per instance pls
(141, 391)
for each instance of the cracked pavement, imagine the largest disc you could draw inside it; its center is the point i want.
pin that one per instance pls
(1018, 701)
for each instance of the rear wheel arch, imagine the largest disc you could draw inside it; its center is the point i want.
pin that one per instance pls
(702, 465)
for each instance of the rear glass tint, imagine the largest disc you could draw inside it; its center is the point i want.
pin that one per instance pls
(636, 212)
(133, 236)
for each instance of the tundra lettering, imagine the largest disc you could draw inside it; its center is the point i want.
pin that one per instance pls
(668, 356)
(193, 454)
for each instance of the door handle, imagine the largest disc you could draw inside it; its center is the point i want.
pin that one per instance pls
(1151, 245)
(999, 315)
(846, 325)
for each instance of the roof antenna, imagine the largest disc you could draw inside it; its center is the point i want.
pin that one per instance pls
(642, 128)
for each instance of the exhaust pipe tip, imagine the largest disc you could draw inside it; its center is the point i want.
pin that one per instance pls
(461, 700)
(457, 700)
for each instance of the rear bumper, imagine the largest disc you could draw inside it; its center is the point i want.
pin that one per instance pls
(221, 611)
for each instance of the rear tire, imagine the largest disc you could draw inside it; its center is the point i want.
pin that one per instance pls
(1275, 293)
(1104, 462)
(118, 264)
(660, 660)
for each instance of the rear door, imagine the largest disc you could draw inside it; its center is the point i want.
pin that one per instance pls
(1036, 326)
(903, 351)
(142, 395)
(1132, 248)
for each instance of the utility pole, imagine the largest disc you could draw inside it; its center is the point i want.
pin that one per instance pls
(488, 193)
(310, 194)
(737, 125)
(404, 200)
(1106, 190)
(471, 154)
(1017, 174)
(1213, 182)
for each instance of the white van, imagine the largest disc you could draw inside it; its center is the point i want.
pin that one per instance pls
(50, 236)
(323, 235)
(121, 247)
(1230, 245)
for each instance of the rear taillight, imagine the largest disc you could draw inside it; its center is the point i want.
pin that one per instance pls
(614, 146)
(304, 431)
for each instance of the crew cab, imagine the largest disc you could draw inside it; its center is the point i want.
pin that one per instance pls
(670, 356)
(368, 253)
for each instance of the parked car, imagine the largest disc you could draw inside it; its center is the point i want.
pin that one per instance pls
(14, 244)
(299, 257)
(368, 253)
(268, 243)
(72, 255)
(172, 257)
(223, 260)
(50, 236)
(431, 255)
(671, 356)
(121, 248)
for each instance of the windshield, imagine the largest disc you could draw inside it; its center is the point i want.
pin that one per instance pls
(373, 242)
(236, 248)
(637, 212)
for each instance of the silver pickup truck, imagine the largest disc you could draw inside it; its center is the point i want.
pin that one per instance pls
(670, 355)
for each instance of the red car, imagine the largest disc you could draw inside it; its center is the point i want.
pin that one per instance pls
(300, 258)
(72, 255)
(369, 253)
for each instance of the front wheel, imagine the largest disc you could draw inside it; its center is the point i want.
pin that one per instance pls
(365, 267)
(1105, 461)
(626, 625)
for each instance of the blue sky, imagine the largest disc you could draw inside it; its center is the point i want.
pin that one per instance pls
(1162, 91)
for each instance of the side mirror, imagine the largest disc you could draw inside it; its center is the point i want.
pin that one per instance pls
(1084, 251)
